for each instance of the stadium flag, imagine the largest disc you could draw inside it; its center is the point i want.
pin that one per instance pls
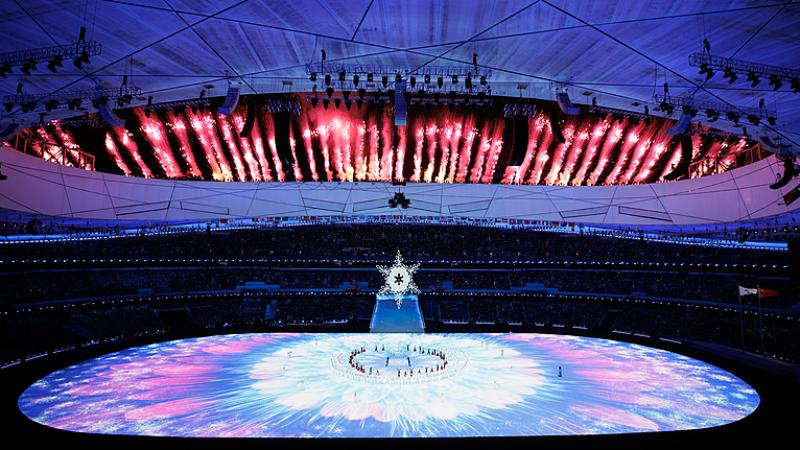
(764, 293)
(747, 291)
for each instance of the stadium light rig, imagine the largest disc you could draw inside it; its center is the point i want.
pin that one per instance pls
(714, 110)
(519, 109)
(123, 96)
(399, 199)
(397, 74)
(731, 67)
(52, 56)
(620, 114)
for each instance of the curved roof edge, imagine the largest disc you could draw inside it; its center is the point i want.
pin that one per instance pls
(40, 187)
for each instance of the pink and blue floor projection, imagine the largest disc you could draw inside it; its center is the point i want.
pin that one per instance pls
(388, 385)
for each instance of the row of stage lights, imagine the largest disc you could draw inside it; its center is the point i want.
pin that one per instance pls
(379, 97)
(28, 60)
(713, 110)
(732, 68)
(29, 65)
(72, 104)
(730, 74)
(73, 100)
(713, 115)
(372, 71)
(412, 80)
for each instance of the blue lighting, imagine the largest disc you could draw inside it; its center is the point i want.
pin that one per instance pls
(388, 385)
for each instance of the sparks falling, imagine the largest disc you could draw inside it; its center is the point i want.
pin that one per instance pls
(457, 144)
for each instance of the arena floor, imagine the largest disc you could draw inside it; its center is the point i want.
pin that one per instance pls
(388, 385)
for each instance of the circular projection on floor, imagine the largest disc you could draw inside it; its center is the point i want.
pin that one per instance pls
(388, 385)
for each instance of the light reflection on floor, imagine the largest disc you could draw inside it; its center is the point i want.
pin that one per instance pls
(287, 385)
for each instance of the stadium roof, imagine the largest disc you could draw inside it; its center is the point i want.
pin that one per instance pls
(619, 51)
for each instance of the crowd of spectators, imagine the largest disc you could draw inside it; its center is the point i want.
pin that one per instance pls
(759, 333)
(46, 330)
(417, 242)
(706, 286)
(18, 224)
(32, 286)
(24, 334)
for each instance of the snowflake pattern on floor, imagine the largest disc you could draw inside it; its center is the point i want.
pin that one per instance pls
(289, 385)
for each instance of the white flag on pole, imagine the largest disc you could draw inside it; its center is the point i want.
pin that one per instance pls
(747, 291)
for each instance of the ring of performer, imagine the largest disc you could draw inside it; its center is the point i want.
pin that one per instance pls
(438, 368)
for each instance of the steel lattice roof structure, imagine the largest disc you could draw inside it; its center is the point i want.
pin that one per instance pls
(620, 51)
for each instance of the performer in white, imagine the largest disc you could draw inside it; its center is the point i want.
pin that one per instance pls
(398, 279)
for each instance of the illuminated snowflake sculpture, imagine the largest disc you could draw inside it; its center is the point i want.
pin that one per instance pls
(398, 279)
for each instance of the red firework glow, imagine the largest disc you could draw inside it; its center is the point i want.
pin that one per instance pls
(124, 137)
(113, 151)
(457, 144)
(247, 150)
(261, 154)
(153, 131)
(177, 125)
(223, 122)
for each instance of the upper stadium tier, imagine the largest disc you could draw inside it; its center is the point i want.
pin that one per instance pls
(386, 136)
